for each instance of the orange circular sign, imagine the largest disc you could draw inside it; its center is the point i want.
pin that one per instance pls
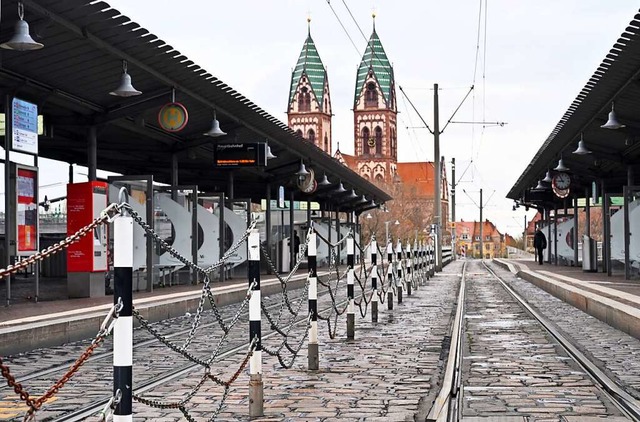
(173, 117)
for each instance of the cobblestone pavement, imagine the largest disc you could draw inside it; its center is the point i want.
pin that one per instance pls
(511, 366)
(615, 352)
(399, 371)
(385, 374)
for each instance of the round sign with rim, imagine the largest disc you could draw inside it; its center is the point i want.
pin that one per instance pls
(560, 193)
(173, 117)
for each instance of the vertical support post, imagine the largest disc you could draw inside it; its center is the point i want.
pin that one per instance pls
(8, 112)
(123, 328)
(338, 237)
(374, 279)
(438, 174)
(223, 231)
(605, 211)
(587, 211)
(575, 231)
(256, 393)
(627, 233)
(351, 322)
(606, 241)
(267, 219)
(70, 173)
(390, 274)
(555, 235)
(92, 153)
(549, 235)
(399, 279)
(481, 227)
(454, 238)
(292, 249)
(194, 235)
(313, 357)
(174, 176)
(408, 275)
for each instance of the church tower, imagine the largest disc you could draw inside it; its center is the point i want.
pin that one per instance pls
(374, 114)
(309, 107)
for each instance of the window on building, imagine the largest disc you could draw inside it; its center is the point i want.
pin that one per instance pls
(477, 238)
(487, 238)
(487, 246)
(299, 133)
(464, 236)
(311, 135)
(326, 144)
(365, 140)
(326, 106)
(371, 95)
(378, 132)
(379, 178)
(304, 100)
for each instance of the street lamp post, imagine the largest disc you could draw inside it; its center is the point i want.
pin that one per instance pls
(386, 228)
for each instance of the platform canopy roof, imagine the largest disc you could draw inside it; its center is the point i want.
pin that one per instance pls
(615, 82)
(85, 43)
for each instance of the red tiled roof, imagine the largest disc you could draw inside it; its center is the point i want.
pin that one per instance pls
(346, 159)
(420, 175)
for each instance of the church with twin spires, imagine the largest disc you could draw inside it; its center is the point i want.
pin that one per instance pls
(375, 131)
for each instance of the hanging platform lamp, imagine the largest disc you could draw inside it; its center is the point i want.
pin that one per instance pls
(582, 148)
(612, 122)
(125, 89)
(21, 40)
(561, 166)
(215, 130)
(547, 177)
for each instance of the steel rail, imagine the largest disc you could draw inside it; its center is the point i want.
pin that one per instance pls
(64, 366)
(620, 398)
(92, 409)
(443, 407)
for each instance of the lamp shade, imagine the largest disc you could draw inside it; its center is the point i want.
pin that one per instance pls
(547, 177)
(324, 181)
(21, 40)
(125, 89)
(561, 166)
(341, 188)
(582, 148)
(215, 130)
(302, 171)
(270, 155)
(612, 121)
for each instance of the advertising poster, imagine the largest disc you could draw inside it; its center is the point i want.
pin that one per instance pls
(85, 201)
(27, 209)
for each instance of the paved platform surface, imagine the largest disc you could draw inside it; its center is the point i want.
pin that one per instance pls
(611, 299)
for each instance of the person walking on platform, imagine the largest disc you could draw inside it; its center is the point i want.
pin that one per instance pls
(540, 244)
(296, 245)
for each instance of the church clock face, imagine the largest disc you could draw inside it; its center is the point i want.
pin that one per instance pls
(371, 142)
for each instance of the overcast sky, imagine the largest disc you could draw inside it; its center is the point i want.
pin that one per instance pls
(536, 57)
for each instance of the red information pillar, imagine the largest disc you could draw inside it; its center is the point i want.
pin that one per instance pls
(87, 258)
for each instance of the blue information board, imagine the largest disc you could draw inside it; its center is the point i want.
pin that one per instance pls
(24, 127)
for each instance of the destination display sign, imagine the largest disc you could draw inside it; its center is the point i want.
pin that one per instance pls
(240, 155)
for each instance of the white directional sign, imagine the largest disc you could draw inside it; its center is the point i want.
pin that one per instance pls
(25, 127)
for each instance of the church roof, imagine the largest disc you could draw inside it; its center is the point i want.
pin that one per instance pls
(310, 64)
(376, 59)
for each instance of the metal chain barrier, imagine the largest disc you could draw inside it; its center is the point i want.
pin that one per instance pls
(105, 216)
(35, 404)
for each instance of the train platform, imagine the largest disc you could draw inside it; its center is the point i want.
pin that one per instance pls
(55, 320)
(611, 299)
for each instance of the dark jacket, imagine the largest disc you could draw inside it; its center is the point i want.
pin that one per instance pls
(539, 240)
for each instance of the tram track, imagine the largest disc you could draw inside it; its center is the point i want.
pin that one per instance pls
(448, 406)
(150, 384)
(157, 369)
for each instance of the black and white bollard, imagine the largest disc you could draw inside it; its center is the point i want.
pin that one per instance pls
(351, 316)
(390, 275)
(123, 328)
(399, 279)
(314, 361)
(408, 274)
(256, 393)
(374, 280)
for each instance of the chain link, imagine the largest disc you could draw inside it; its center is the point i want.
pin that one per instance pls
(35, 404)
(105, 215)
